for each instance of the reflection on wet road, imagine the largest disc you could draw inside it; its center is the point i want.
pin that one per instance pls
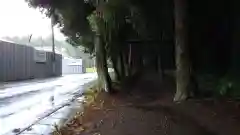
(20, 105)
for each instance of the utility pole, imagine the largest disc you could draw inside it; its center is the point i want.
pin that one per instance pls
(53, 47)
(30, 38)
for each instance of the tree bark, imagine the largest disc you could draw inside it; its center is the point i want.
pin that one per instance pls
(101, 63)
(159, 67)
(115, 67)
(183, 72)
(122, 65)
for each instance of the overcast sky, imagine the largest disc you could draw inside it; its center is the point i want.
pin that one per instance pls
(17, 19)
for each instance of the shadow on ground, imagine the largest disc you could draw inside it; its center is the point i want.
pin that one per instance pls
(147, 109)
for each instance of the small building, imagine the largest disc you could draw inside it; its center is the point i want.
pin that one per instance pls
(71, 66)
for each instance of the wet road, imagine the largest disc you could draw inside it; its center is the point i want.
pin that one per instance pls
(23, 103)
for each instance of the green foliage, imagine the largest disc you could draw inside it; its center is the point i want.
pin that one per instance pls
(224, 86)
(92, 19)
(217, 86)
(84, 41)
(70, 15)
(80, 19)
(228, 86)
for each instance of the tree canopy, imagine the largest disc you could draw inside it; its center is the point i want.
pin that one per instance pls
(148, 35)
(107, 28)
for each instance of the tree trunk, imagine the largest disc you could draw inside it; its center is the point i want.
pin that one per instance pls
(182, 51)
(159, 67)
(101, 63)
(115, 67)
(235, 56)
(122, 65)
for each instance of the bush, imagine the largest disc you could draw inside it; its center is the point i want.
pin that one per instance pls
(217, 86)
(229, 85)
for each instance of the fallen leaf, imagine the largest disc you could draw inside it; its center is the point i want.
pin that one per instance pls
(79, 129)
(113, 103)
(101, 105)
(96, 108)
(96, 134)
(113, 124)
(16, 130)
(29, 129)
(88, 125)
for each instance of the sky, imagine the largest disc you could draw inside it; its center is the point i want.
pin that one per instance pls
(18, 19)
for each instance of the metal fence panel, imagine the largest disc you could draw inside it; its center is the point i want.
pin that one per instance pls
(17, 63)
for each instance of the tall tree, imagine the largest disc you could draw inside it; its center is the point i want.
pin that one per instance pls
(72, 17)
(183, 69)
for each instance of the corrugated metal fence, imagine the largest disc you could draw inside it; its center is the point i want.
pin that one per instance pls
(17, 63)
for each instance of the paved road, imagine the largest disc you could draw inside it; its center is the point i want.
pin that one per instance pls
(23, 103)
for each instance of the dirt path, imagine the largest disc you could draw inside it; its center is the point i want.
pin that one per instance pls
(154, 113)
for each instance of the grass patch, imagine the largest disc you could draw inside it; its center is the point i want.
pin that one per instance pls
(91, 70)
